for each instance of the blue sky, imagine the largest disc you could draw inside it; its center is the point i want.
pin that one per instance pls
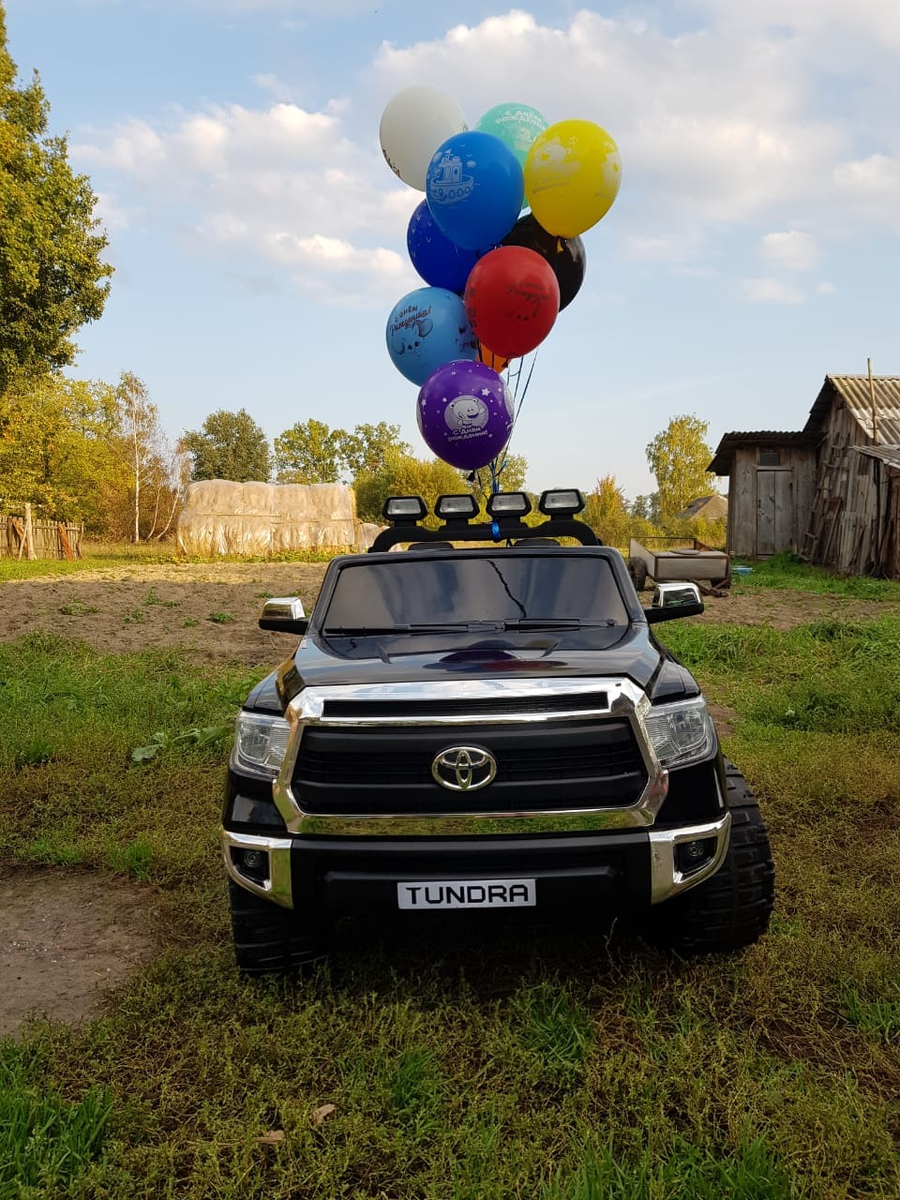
(259, 237)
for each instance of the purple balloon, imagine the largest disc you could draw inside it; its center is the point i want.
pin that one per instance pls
(465, 414)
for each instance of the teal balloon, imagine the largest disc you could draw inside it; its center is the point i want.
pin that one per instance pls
(515, 124)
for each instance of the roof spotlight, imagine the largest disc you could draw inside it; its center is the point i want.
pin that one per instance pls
(562, 501)
(455, 508)
(404, 508)
(508, 504)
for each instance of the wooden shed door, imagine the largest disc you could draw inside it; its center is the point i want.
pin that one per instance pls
(774, 491)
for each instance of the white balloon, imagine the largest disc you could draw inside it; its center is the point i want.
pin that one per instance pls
(413, 125)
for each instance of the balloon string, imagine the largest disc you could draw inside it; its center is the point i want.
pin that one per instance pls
(497, 471)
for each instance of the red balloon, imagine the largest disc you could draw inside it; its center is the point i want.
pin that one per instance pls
(512, 300)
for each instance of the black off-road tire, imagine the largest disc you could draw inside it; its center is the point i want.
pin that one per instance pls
(731, 910)
(637, 569)
(271, 940)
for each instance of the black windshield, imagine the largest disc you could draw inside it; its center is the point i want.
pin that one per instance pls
(411, 591)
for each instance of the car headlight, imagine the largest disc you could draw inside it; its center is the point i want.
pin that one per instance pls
(682, 732)
(260, 743)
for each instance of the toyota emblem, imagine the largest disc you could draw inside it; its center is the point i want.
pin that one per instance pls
(464, 768)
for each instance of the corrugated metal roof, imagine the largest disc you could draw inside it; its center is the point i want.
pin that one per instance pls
(730, 442)
(887, 454)
(854, 391)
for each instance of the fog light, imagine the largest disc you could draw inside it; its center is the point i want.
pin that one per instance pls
(254, 864)
(691, 855)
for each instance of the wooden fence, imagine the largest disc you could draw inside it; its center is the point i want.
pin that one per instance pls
(24, 536)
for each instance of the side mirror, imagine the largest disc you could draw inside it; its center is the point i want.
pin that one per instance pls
(284, 614)
(671, 600)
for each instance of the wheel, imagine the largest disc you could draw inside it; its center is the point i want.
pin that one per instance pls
(637, 569)
(732, 908)
(269, 939)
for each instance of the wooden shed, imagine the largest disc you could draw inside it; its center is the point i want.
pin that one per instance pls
(831, 491)
(770, 493)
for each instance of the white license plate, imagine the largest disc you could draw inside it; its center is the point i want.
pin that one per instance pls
(466, 893)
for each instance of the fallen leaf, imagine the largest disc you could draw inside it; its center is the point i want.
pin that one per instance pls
(271, 1137)
(323, 1111)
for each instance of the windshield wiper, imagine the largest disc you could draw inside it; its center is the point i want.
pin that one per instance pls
(556, 623)
(422, 627)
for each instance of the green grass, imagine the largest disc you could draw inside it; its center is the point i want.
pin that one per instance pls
(97, 556)
(465, 1061)
(787, 570)
(46, 1142)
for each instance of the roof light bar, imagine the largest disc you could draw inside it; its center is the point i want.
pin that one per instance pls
(561, 501)
(404, 509)
(508, 504)
(455, 508)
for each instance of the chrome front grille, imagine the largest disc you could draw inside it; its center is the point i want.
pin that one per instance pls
(571, 754)
(374, 770)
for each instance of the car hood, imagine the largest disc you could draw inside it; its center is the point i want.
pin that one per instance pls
(619, 652)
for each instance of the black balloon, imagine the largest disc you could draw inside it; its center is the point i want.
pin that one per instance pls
(565, 255)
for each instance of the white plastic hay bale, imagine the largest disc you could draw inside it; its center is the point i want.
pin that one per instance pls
(260, 519)
(218, 497)
(366, 533)
(257, 499)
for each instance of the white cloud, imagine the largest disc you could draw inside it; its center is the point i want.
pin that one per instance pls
(871, 188)
(771, 291)
(825, 288)
(281, 184)
(720, 129)
(274, 86)
(112, 214)
(790, 250)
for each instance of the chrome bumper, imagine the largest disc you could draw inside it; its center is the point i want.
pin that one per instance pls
(665, 879)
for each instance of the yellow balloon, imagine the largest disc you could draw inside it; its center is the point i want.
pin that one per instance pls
(572, 176)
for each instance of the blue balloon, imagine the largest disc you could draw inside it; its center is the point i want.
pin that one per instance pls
(426, 329)
(439, 261)
(474, 189)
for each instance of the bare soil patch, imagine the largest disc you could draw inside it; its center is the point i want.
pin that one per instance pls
(65, 941)
(210, 610)
(785, 609)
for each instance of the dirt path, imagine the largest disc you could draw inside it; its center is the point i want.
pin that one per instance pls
(65, 941)
(210, 610)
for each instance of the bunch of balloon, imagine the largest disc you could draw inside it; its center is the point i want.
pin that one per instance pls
(497, 274)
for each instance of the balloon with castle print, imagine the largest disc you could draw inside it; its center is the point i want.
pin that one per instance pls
(465, 414)
(474, 189)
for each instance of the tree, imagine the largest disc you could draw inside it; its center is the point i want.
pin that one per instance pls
(366, 449)
(646, 508)
(403, 475)
(52, 278)
(309, 452)
(607, 512)
(139, 425)
(229, 446)
(679, 457)
(55, 445)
